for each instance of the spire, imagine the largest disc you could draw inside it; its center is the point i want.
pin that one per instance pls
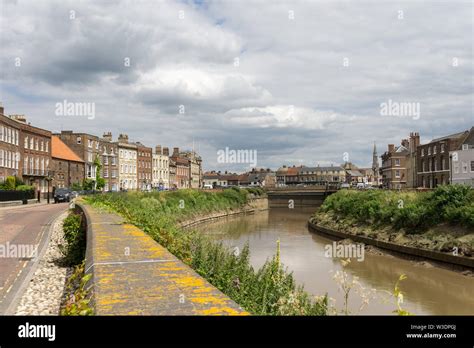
(375, 162)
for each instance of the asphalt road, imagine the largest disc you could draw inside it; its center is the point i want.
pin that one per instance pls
(26, 226)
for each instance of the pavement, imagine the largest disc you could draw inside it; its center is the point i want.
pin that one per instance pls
(27, 225)
(134, 275)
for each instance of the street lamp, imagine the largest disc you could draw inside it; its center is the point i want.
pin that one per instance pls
(49, 178)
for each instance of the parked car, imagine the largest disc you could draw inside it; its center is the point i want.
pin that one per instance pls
(74, 194)
(345, 185)
(62, 195)
(208, 186)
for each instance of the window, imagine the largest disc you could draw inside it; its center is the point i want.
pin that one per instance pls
(397, 174)
(465, 146)
(106, 172)
(106, 160)
(26, 142)
(1, 158)
(472, 166)
(442, 148)
(422, 152)
(434, 150)
(464, 167)
(89, 143)
(397, 162)
(47, 146)
(113, 161)
(42, 145)
(429, 151)
(32, 143)
(1, 132)
(79, 140)
(37, 145)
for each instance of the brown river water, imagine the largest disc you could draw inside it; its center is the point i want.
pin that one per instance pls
(427, 290)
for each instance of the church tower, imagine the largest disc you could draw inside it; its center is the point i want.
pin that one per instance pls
(375, 164)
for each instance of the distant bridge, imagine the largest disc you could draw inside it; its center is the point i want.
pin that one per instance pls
(298, 196)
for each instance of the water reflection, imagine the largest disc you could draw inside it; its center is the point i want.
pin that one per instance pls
(427, 290)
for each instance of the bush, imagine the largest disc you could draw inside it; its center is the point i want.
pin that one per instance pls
(415, 211)
(25, 188)
(75, 238)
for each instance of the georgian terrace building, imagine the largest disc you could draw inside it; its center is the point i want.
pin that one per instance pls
(161, 168)
(128, 155)
(109, 161)
(433, 162)
(25, 151)
(144, 166)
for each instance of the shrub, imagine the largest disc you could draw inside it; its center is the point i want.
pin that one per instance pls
(75, 238)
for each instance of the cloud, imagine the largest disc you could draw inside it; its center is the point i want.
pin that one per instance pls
(290, 97)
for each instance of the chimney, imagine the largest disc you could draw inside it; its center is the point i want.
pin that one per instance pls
(175, 151)
(405, 143)
(166, 151)
(123, 138)
(107, 136)
(18, 118)
(391, 147)
(1, 109)
(158, 149)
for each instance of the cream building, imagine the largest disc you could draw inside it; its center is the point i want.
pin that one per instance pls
(127, 164)
(161, 168)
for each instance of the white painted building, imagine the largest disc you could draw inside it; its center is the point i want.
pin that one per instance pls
(127, 164)
(161, 168)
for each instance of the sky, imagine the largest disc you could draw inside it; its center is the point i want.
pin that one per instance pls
(299, 82)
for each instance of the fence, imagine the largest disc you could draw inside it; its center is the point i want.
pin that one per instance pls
(11, 195)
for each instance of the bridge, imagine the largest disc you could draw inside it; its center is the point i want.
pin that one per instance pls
(299, 196)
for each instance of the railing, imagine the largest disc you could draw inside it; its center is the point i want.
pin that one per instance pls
(7, 195)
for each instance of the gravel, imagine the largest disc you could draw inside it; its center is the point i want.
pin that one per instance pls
(45, 291)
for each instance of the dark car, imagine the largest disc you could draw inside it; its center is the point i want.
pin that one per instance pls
(62, 195)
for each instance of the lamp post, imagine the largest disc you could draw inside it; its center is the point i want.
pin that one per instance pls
(49, 178)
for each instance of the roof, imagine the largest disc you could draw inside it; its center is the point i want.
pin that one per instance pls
(456, 135)
(61, 151)
(354, 173)
(320, 169)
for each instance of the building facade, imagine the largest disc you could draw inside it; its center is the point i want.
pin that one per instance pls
(161, 168)
(36, 154)
(394, 172)
(182, 176)
(128, 155)
(462, 161)
(321, 175)
(67, 167)
(10, 150)
(86, 146)
(195, 170)
(433, 162)
(144, 167)
(108, 154)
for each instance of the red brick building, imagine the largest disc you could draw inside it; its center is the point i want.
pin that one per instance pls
(67, 167)
(144, 167)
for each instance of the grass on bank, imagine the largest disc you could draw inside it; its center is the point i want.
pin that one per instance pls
(267, 291)
(442, 219)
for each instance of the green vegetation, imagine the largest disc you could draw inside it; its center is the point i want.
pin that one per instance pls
(267, 291)
(416, 211)
(12, 183)
(78, 300)
(75, 238)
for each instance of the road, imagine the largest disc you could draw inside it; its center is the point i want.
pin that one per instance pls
(28, 226)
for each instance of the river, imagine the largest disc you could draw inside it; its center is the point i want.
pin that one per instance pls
(427, 289)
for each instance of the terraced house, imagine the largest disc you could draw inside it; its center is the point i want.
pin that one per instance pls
(86, 146)
(128, 155)
(144, 166)
(10, 152)
(433, 161)
(109, 161)
(35, 153)
(161, 166)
